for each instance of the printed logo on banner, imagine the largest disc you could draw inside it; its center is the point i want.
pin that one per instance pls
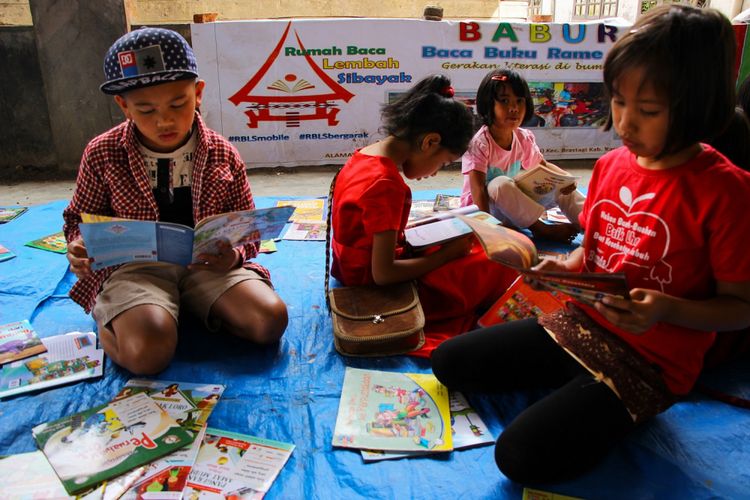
(293, 98)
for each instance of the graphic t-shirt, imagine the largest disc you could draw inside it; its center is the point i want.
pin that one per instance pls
(678, 231)
(484, 155)
(171, 177)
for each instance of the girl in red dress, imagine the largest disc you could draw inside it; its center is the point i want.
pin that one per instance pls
(426, 128)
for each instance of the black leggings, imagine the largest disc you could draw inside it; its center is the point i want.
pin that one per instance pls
(560, 436)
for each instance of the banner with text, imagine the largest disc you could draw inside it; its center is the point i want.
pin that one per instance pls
(309, 92)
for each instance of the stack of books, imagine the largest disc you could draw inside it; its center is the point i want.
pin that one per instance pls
(150, 441)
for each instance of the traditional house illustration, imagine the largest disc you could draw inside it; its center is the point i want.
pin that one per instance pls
(291, 98)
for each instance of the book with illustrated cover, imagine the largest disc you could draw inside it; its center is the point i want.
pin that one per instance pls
(445, 202)
(393, 411)
(235, 466)
(421, 209)
(108, 440)
(19, 340)
(268, 246)
(52, 243)
(543, 183)
(516, 250)
(68, 358)
(442, 227)
(467, 428)
(532, 494)
(5, 254)
(306, 230)
(113, 242)
(7, 214)
(306, 210)
(521, 301)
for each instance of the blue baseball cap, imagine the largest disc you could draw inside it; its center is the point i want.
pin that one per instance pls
(145, 57)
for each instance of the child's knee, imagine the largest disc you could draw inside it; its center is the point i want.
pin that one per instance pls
(499, 187)
(267, 322)
(147, 346)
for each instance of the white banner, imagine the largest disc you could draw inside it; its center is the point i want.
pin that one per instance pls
(309, 92)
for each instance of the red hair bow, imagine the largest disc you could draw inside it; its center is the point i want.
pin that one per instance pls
(448, 91)
(500, 78)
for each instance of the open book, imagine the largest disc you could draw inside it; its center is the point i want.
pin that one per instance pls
(516, 250)
(117, 241)
(544, 182)
(441, 227)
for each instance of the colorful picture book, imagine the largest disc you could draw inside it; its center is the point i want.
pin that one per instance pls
(68, 358)
(468, 430)
(237, 466)
(119, 241)
(19, 340)
(306, 230)
(445, 202)
(442, 227)
(393, 411)
(521, 301)
(516, 250)
(5, 254)
(190, 404)
(268, 246)
(7, 214)
(306, 210)
(53, 243)
(108, 440)
(544, 182)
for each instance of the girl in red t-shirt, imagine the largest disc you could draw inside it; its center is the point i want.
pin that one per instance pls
(665, 210)
(426, 128)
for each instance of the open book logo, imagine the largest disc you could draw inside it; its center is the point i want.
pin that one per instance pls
(118, 229)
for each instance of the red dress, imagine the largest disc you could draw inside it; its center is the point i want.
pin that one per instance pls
(371, 197)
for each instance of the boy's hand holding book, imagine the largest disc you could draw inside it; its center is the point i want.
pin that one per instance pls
(78, 257)
(226, 259)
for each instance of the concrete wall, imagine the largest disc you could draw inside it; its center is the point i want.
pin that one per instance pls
(25, 131)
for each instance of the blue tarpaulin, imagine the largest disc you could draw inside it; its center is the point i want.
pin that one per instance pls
(700, 448)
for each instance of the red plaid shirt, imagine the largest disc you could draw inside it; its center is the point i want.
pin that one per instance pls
(112, 180)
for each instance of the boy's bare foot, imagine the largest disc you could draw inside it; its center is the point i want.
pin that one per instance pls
(563, 232)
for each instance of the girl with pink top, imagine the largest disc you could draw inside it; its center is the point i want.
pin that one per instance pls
(498, 152)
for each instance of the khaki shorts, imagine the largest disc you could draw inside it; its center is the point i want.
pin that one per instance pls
(169, 286)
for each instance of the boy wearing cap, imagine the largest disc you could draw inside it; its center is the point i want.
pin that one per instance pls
(163, 163)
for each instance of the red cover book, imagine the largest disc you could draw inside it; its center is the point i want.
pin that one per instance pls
(521, 301)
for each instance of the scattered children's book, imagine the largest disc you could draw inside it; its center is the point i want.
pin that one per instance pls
(29, 476)
(467, 428)
(421, 209)
(312, 209)
(19, 340)
(517, 251)
(7, 214)
(393, 411)
(445, 202)
(69, 358)
(52, 243)
(521, 301)
(118, 241)
(544, 182)
(108, 440)
(235, 466)
(268, 246)
(5, 254)
(442, 227)
(190, 404)
(306, 230)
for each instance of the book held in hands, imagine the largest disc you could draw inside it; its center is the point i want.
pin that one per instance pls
(441, 227)
(516, 250)
(543, 183)
(118, 241)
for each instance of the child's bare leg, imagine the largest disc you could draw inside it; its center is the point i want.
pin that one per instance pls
(142, 339)
(253, 311)
(564, 232)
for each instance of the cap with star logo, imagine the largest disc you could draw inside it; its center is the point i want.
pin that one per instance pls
(145, 57)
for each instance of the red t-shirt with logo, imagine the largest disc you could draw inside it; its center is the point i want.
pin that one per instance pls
(679, 231)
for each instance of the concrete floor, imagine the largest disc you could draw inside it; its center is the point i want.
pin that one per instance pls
(300, 181)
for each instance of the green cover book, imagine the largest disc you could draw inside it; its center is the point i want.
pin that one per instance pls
(7, 214)
(108, 440)
(52, 243)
